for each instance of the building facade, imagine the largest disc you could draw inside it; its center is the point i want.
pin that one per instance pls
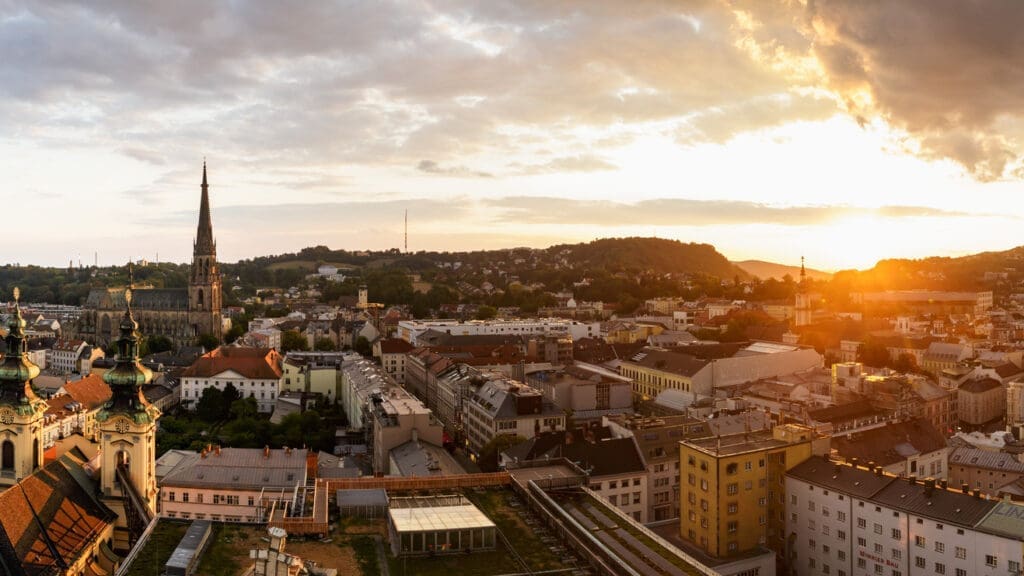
(254, 372)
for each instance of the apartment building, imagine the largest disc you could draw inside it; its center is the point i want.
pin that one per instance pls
(849, 520)
(410, 330)
(734, 488)
(503, 406)
(254, 372)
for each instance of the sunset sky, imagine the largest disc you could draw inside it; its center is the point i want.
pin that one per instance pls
(844, 131)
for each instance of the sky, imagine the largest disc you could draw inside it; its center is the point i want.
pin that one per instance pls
(844, 131)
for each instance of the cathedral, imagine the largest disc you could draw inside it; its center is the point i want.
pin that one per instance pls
(180, 314)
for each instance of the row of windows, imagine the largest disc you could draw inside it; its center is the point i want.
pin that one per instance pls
(230, 499)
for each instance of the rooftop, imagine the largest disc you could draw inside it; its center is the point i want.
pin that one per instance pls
(433, 513)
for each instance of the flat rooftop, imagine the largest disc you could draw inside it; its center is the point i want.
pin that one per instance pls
(431, 514)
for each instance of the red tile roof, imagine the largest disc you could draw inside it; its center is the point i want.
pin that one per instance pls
(71, 517)
(91, 392)
(394, 346)
(255, 363)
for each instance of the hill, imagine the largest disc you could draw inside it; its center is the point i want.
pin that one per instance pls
(655, 254)
(765, 270)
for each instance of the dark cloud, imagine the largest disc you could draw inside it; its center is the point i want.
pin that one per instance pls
(948, 72)
(684, 212)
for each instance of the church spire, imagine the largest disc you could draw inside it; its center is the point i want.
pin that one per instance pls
(204, 232)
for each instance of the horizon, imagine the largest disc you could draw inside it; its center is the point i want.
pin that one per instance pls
(769, 132)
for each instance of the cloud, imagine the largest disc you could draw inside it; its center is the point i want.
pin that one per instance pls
(431, 167)
(580, 163)
(686, 212)
(949, 74)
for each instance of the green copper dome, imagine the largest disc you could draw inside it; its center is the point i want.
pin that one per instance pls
(16, 370)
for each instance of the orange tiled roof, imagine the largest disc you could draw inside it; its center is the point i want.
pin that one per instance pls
(71, 516)
(91, 392)
(256, 363)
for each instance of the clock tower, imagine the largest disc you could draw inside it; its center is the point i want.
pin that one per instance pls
(21, 411)
(127, 428)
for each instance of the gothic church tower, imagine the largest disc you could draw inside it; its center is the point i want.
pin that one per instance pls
(21, 411)
(803, 299)
(204, 286)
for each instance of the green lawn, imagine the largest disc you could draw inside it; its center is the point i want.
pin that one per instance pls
(223, 556)
(158, 549)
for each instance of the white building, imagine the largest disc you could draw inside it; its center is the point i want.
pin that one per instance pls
(63, 357)
(410, 330)
(254, 372)
(850, 521)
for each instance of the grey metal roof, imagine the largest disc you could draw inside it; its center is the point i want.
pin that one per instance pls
(840, 477)
(242, 469)
(367, 497)
(946, 506)
(190, 545)
(965, 456)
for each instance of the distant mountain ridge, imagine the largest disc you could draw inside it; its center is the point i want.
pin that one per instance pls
(765, 270)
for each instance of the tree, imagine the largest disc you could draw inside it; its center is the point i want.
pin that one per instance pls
(324, 345)
(362, 346)
(211, 404)
(228, 397)
(159, 343)
(234, 333)
(293, 340)
(207, 341)
(873, 353)
(244, 408)
(486, 312)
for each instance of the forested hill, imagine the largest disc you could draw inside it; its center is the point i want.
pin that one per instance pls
(654, 254)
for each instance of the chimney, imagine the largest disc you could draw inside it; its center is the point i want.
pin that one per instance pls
(217, 450)
(943, 484)
(203, 454)
(965, 488)
(878, 470)
(977, 493)
(912, 480)
(266, 451)
(854, 462)
(929, 487)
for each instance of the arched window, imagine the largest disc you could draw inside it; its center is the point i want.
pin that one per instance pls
(7, 456)
(199, 298)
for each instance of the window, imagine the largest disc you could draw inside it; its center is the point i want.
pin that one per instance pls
(1014, 566)
(636, 497)
(733, 546)
(732, 507)
(732, 526)
(961, 572)
(184, 496)
(878, 528)
(920, 541)
(862, 542)
(825, 512)
(861, 563)
(991, 560)
(940, 568)
(170, 496)
(748, 465)
(919, 562)
(940, 547)
(613, 484)
(897, 534)
(732, 488)
(879, 569)
(879, 548)
(862, 523)
(961, 552)
(825, 529)
(841, 516)
(841, 534)
(810, 505)
(841, 554)
(703, 484)
(792, 499)
(897, 554)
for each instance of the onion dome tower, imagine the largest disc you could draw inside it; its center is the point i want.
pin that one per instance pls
(127, 427)
(21, 411)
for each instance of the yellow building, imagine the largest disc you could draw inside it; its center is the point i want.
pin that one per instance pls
(732, 488)
(312, 375)
(623, 332)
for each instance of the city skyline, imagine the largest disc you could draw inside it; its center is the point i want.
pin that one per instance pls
(842, 132)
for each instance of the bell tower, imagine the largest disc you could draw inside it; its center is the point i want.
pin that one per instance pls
(204, 286)
(127, 428)
(803, 299)
(21, 411)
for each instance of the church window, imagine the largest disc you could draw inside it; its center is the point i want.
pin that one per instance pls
(7, 456)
